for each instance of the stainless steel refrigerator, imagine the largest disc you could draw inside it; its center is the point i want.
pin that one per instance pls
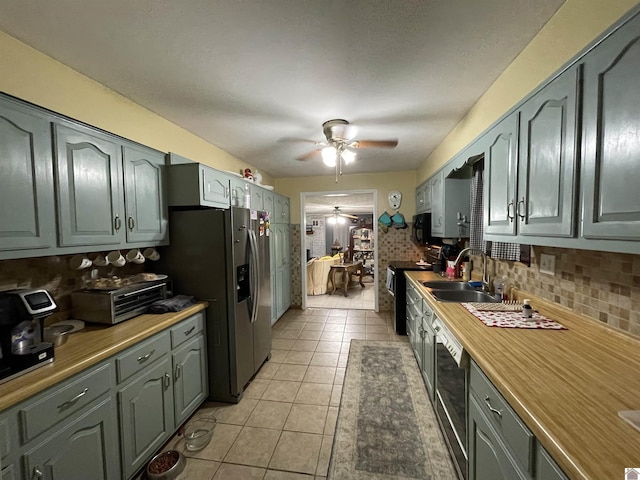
(222, 256)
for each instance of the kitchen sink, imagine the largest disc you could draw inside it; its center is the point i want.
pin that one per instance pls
(445, 285)
(463, 296)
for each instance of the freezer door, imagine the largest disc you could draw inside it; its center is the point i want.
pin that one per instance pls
(262, 322)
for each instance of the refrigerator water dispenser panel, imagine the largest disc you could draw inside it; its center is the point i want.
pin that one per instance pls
(243, 287)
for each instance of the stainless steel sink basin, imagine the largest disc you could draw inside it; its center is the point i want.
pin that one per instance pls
(444, 285)
(463, 296)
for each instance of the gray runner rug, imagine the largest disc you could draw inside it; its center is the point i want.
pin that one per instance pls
(386, 427)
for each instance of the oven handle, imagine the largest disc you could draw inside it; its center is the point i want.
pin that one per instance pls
(487, 401)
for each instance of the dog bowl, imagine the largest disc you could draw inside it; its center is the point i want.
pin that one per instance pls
(166, 465)
(198, 433)
(58, 335)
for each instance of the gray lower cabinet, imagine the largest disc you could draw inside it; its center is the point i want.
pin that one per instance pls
(489, 458)
(145, 407)
(428, 341)
(546, 467)
(611, 115)
(190, 377)
(88, 177)
(144, 193)
(281, 264)
(85, 448)
(26, 184)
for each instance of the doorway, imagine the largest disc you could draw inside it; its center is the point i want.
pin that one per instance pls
(339, 227)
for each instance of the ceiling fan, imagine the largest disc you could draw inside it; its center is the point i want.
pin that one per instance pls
(340, 144)
(338, 217)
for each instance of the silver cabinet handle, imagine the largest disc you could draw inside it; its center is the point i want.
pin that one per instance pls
(37, 473)
(117, 223)
(144, 358)
(490, 407)
(131, 223)
(187, 332)
(522, 215)
(167, 381)
(509, 216)
(69, 403)
(178, 372)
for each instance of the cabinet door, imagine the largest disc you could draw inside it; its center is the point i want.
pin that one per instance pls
(611, 130)
(238, 190)
(27, 219)
(86, 448)
(500, 175)
(283, 268)
(428, 352)
(190, 378)
(427, 197)
(488, 457)
(215, 187)
(146, 415)
(437, 203)
(268, 202)
(89, 188)
(282, 209)
(144, 193)
(548, 159)
(420, 204)
(257, 198)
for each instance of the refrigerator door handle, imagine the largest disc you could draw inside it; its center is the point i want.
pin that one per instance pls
(255, 290)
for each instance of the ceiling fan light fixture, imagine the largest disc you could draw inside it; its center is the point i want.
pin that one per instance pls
(340, 220)
(331, 220)
(329, 155)
(348, 156)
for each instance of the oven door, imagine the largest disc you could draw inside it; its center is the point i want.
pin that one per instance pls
(391, 281)
(451, 405)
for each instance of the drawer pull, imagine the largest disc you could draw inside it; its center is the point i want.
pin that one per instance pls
(117, 223)
(37, 473)
(187, 332)
(167, 381)
(144, 358)
(490, 407)
(131, 223)
(74, 399)
(178, 372)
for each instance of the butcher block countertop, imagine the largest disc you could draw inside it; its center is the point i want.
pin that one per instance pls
(566, 385)
(86, 348)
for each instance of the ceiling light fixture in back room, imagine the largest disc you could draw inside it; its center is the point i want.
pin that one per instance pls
(340, 145)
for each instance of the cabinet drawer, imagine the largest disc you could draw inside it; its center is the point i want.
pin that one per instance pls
(186, 329)
(5, 445)
(37, 417)
(414, 295)
(506, 422)
(138, 357)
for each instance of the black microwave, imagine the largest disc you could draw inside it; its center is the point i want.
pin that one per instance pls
(421, 229)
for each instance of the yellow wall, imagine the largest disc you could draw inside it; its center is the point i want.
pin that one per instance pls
(576, 24)
(32, 76)
(404, 182)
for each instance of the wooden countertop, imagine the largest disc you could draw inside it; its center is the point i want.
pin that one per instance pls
(566, 385)
(86, 348)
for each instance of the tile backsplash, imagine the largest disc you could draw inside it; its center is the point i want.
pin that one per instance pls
(54, 275)
(602, 285)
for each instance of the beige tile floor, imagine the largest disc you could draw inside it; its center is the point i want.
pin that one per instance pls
(283, 427)
(357, 297)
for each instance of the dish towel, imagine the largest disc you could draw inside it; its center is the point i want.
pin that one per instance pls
(175, 304)
(513, 319)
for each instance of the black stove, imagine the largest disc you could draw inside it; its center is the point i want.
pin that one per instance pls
(397, 287)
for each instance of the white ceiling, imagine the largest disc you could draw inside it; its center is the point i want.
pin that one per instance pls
(347, 203)
(245, 75)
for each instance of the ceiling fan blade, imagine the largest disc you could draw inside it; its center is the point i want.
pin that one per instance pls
(347, 215)
(309, 155)
(374, 144)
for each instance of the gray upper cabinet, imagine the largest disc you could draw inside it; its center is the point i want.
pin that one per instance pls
(548, 162)
(194, 184)
(611, 202)
(450, 206)
(437, 207)
(500, 174)
(27, 219)
(269, 200)
(257, 197)
(421, 202)
(239, 188)
(144, 188)
(282, 214)
(89, 187)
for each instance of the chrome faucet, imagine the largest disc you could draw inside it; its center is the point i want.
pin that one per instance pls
(485, 282)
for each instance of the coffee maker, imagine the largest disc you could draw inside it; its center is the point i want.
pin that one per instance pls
(22, 349)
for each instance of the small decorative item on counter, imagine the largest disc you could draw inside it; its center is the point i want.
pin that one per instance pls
(527, 311)
(499, 288)
(451, 269)
(466, 271)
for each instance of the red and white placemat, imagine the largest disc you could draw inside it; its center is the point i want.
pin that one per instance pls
(513, 319)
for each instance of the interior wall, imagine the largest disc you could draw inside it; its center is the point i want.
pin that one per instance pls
(574, 26)
(32, 76)
(404, 182)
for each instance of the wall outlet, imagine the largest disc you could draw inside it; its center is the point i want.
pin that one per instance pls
(547, 264)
